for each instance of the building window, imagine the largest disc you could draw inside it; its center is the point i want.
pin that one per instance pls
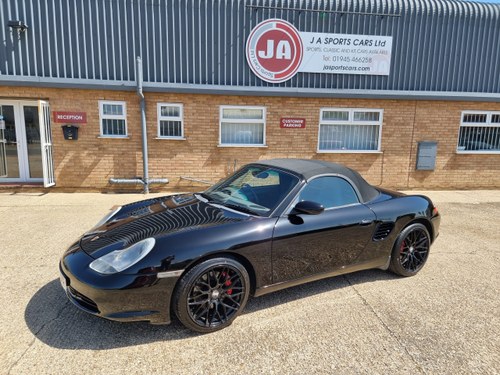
(242, 126)
(170, 124)
(113, 119)
(350, 130)
(479, 132)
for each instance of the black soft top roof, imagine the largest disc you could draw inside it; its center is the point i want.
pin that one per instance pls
(308, 169)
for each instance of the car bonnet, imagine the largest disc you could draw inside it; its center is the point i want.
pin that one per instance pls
(156, 218)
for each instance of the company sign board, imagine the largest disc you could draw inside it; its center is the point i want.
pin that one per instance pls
(70, 117)
(276, 51)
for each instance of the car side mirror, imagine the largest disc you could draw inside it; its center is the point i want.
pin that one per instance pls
(308, 208)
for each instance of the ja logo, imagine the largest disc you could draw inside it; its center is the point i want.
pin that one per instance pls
(274, 50)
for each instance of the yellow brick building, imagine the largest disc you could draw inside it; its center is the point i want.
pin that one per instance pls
(208, 112)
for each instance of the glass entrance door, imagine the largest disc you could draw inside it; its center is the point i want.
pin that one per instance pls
(32, 130)
(23, 154)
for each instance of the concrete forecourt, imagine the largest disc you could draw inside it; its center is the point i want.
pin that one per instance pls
(445, 320)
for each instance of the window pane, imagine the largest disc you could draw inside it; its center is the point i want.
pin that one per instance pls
(349, 137)
(170, 111)
(256, 177)
(335, 115)
(241, 133)
(32, 127)
(476, 138)
(113, 127)
(366, 116)
(243, 113)
(112, 109)
(258, 188)
(329, 191)
(474, 118)
(170, 129)
(11, 136)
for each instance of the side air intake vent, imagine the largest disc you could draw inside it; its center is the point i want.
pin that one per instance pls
(382, 231)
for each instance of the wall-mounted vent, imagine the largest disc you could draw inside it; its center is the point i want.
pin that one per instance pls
(382, 231)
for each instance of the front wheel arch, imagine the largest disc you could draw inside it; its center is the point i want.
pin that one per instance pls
(222, 300)
(224, 254)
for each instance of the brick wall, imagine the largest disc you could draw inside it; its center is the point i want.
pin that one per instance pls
(89, 162)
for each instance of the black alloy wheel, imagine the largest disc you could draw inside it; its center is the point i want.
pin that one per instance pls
(411, 250)
(212, 294)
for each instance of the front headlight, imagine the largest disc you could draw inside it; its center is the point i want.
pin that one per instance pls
(119, 260)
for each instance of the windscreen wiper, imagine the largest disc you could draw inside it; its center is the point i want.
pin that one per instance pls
(206, 196)
(238, 208)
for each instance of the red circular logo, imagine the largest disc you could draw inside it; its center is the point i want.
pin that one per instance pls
(274, 50)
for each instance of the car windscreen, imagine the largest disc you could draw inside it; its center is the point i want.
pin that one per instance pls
(255, 189)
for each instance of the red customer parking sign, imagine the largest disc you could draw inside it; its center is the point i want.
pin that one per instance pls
(292, 123)
(274, 50)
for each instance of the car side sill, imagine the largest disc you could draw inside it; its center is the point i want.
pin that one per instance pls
(377, 263)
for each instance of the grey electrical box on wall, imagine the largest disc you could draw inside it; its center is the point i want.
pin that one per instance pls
(426, 155)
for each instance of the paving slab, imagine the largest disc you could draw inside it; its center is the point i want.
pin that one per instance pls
(445, 320)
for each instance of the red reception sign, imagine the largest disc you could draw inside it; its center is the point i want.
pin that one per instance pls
(292, 123)
(71, 117)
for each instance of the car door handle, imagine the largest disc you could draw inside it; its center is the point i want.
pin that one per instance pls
(365, 222)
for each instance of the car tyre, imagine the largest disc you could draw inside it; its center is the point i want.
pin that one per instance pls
(411, 250)
(212, 294)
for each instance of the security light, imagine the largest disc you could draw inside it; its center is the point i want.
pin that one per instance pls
(20, 26)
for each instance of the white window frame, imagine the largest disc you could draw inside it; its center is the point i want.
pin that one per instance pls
(350, 121)
(487, 124)
(170, 118)
(102, 116)
(251, 121)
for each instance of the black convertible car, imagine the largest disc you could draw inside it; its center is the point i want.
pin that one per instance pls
(271, 225)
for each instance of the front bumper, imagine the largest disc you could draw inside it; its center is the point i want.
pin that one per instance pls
(120, 297)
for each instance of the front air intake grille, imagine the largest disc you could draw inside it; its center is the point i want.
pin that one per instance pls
(382, 231)
(83, 301)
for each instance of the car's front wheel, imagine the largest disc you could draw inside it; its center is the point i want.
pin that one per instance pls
(212, 294)
(411, 250)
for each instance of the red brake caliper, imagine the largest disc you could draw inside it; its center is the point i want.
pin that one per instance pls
(402, 247)
(228, 283)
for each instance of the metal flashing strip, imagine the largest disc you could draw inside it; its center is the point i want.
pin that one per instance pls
(8, 80)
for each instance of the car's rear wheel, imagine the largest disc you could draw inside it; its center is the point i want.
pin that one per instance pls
(212, 294)
(411, 250)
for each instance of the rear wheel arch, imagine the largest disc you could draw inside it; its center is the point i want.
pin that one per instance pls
(419, 220)
(426, 223)
(407, 258)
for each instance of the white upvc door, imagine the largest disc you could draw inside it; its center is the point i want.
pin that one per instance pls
(3, 153)
(46, 144)
(28, 142)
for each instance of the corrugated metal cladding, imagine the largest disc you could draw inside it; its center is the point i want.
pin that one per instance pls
(438, 45)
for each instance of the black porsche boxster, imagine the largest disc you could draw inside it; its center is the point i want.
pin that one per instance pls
(271, 225)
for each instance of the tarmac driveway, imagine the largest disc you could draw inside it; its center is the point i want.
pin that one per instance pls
(444, 320)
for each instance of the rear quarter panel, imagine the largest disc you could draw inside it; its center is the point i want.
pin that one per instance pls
(401, 210)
